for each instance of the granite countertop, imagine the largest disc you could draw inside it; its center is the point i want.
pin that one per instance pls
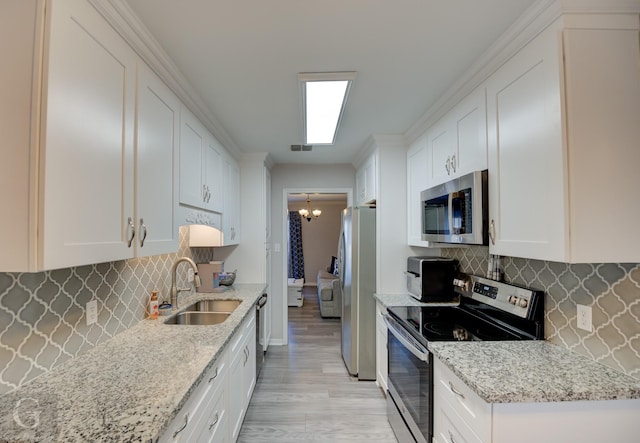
(128, 388)
(532, 371)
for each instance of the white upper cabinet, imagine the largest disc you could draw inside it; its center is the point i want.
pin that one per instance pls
(417, 181)
(458, 141)
(231, 198)
(564, 124)
(73, 146)
(213, 175)
(157, 127)
(366, 182)
(200, 165)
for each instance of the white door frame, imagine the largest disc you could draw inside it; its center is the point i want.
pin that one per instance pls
(285, 240)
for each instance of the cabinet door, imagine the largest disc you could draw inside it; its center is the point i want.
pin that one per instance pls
(525, 153)
(370, 183)
(158, 119)
(235, 392)
(213, 175)
(381, 347)
(417, 181)
(470, 119)
(249, 369)
(192, 149)
(87, 164)
(442, 147)
(361, 184)
(231, 213)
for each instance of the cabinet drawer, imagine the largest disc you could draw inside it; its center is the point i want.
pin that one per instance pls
(468, 406)
(213, 423)
(449, 427)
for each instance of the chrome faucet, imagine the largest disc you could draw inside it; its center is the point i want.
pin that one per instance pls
(174, 290)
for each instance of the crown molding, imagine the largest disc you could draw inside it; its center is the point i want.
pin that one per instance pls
(124, 20)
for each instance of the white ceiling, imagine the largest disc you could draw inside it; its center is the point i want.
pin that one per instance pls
(242, 58)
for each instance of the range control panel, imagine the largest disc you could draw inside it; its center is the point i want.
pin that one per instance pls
(506, 297)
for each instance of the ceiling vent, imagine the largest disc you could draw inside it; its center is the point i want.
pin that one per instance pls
(298, 148)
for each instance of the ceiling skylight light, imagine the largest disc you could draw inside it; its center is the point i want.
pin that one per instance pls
(324, 96)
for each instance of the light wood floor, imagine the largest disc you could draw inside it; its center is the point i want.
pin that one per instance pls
(305, 393)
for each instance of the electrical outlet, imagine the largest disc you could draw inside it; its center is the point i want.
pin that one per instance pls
(190, 275)
(92, 312)
(584, 318)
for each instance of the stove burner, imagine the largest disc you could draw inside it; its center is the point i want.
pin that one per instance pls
(440, 328)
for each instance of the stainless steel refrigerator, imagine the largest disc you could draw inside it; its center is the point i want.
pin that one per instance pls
(357, 273)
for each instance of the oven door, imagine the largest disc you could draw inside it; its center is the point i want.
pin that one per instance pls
(410, 384)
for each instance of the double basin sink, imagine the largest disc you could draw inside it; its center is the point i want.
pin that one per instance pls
(204, 312)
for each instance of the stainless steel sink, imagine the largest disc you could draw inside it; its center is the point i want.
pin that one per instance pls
(197, 318)
(215, 306)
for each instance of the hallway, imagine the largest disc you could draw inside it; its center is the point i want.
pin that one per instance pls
(305, 394)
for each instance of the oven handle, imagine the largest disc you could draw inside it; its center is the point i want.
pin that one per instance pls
(415, 348)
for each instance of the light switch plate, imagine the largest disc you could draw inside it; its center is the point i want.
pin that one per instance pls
(585, 320)
(276, 247)
(92, 312)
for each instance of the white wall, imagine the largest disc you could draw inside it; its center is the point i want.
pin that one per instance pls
(391, 229)
(296, 178)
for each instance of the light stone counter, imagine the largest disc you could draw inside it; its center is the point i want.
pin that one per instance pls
(532, 371)
(128, 388)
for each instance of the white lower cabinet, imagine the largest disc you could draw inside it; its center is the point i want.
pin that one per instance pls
(203, 417)
(242, 379)
(461, 416)
(215, 410)
(381, 347)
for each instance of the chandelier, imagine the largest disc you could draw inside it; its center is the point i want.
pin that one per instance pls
(307, 213)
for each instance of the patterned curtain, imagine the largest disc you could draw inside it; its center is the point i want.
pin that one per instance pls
(296, 257)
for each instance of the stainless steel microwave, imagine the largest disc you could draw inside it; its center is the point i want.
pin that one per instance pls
(457, 211)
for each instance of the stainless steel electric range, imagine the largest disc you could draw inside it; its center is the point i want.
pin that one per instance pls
(486, 310)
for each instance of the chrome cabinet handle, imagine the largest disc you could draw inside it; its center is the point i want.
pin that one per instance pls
(215, 422)
(213, 377)
(453, 162)
(447, 165)
(455, 391)
(186, 420)
(492, 232)
(143, 229)
(133, 232)
(451, 437)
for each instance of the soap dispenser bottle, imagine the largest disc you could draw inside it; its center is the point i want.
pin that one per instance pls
(153, 305)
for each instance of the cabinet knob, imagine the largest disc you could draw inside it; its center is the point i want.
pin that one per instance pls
(143, 230)
(132, 229)
(186, 421)
(215, 421)
(492, 232)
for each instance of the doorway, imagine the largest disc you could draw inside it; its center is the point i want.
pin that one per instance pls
(319, 236)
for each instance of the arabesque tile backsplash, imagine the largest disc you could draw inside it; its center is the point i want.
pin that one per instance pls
(611, 289)
(42, 319)
(42, 315)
